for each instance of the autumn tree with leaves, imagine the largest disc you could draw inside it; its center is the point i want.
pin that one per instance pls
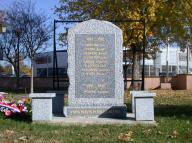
(163, 19)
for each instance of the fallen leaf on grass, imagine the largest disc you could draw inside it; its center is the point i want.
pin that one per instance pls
(8, 132)
(126, 137)
(104, 132)
(173, 134)
(160, 133)
(157, 125)
(147, 132)
(55, 132)
(23, 138)
(55, 141)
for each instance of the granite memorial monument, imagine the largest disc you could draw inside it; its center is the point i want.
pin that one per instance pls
(95, 70)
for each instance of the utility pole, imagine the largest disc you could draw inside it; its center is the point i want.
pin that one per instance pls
(18, 57)
(32, 75)
(187, 58)
(167, 59)
(178, 54)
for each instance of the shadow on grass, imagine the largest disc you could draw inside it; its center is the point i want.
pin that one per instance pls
(18, 117)
(173, 110)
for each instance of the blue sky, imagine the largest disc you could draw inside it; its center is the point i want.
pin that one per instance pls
(43, 5)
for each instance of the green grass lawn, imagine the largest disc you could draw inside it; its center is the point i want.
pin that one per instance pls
(173, 113)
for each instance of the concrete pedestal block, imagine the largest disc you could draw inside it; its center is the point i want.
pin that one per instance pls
(142, 105)
(42, 106)
(144, 109)
(133, 94)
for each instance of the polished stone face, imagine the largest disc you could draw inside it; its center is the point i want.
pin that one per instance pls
(95, 65)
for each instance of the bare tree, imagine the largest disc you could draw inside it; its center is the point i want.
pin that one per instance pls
(28, 31)
(36, 31)
(8, 43)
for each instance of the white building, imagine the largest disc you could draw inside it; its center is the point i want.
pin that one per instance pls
(173, 57)
(177, 63)
(43, 66)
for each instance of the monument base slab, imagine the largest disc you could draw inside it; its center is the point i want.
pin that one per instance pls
(96, 111)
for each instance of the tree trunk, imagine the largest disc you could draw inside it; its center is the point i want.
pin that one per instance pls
(136, 85)
(15, 70)
(18, 67)
(16, 75)
(32, 88)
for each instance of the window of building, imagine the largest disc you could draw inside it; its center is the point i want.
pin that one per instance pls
(152, 70)
(182, 69)
(50, 72)
(182, 57)
(174, 70)
(146, 70)
(61, 72)
(43, 60)
(170, 68)
(164, 69)
(42, 72)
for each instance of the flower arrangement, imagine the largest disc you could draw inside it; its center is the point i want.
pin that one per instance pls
(10, 108)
